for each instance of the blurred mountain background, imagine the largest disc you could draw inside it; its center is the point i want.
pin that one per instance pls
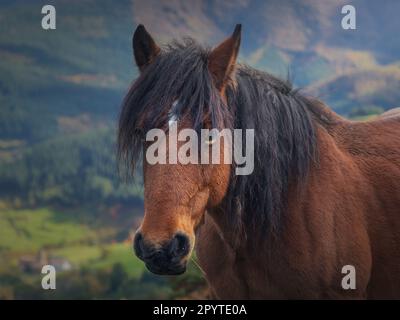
(61, 199)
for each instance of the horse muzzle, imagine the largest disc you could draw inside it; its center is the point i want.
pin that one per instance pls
(167, 259)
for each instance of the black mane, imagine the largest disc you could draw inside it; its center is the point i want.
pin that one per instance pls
(284, 146)
(283, 120)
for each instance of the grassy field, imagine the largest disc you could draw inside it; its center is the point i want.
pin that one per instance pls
(103, 257)
(101, 268)
(27, 231)
(30, 230)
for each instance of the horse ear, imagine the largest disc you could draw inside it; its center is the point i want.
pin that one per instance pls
(144, 47)
(222, 59)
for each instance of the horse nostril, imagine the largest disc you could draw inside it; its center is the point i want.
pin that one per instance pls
(180, 245)
(138, 245)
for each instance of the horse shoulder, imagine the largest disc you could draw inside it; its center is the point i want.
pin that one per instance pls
(372, 184)
(328, 219)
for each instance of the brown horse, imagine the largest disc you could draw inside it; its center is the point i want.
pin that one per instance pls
(324, 193)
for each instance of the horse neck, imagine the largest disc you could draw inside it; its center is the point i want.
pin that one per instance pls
(328, 148)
